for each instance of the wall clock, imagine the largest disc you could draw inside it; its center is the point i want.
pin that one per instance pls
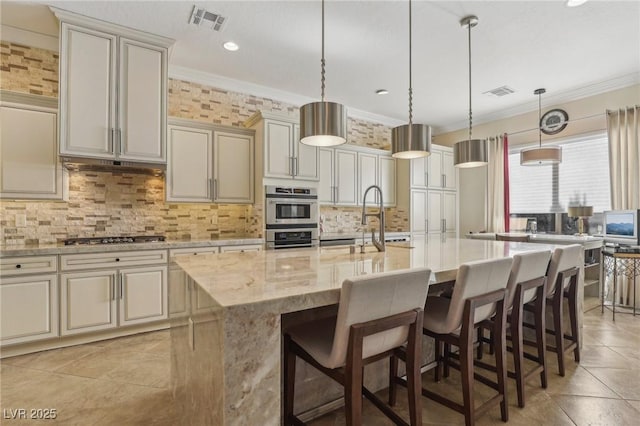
(554, 121)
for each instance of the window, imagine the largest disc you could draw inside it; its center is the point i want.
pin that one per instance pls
(583, 178)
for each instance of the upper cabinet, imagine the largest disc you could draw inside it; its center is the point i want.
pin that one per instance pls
(283, 155)
(29, 166)
(113, 91)
(210, 164)
(435, 171)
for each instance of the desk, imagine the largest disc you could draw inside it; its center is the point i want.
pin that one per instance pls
(226, 350)
(625, 264)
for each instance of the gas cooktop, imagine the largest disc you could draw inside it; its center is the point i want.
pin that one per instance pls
(114, 240)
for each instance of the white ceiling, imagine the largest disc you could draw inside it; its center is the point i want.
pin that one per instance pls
(572, 52)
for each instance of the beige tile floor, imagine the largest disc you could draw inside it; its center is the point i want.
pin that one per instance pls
(125, 381)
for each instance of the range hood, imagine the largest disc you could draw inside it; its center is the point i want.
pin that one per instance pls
(101, 165)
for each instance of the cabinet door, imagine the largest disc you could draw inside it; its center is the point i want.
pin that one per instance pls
(449, 211)
(28, 308)
(367, 176)
(418, 211)
(278, 153)
(242, 248)
(233, 168)
(87, 92)
(306, 165)
(387, 179)
(434, 170)
(189, 168)
(178, 292)
(419, 168)
(326, 191)
(88, 301)
(448, 171)
(346, 181)
(142, 102)
(143, 295)
(29, 166)
(434, 212)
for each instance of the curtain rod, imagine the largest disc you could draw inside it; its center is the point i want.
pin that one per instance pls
(568, 121)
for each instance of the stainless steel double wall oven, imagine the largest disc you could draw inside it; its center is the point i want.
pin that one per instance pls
(291, 217)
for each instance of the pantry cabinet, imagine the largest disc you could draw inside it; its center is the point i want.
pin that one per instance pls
(113, 91)
(209, 163)
(29, 166)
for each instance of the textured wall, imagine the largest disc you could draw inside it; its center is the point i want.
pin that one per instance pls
(104, 203)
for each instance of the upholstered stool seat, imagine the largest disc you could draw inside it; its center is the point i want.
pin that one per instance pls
(377, 314)
(479, 294)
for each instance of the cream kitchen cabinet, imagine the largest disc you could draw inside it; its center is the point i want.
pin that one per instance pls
(107, 290)
(29, 166)
(282, 154)
(113, 91)
(387, 179)
(209, 164)
(28, 299)
(367, 176)
(241, 248)
(435, 171)
(338, 177)
(178, 280)
(441, 208)
(419, 203)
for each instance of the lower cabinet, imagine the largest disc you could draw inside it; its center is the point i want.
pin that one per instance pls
(433, 212)
(99, 300)
(28, 308)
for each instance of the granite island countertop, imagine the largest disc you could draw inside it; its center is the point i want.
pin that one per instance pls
(588, 241)
(8, 250)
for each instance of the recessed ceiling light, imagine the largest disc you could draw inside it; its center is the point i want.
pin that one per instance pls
(382, 92)
(231, 46)
(575, 3)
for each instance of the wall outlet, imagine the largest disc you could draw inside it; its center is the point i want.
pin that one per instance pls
(21, 220)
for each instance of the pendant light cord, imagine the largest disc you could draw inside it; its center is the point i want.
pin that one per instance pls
(322, 62)
(470, 114)
(410, 78)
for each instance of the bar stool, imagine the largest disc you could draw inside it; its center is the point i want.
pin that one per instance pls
(527, 283)
(377, 313)
(479, 294)
(562, 283)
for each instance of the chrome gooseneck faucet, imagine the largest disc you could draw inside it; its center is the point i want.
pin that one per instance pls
(380, 215)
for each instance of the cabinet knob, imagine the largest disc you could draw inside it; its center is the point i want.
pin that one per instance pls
(117, 259)
(18, 266)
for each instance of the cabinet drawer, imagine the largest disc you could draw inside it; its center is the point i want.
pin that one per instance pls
(74, 262)
(243, 248)
(193, 251)
(28, 265)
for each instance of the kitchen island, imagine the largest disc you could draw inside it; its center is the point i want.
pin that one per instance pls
(226, 351)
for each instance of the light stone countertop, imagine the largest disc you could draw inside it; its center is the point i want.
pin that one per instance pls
(9, 250)
(245, 278)
(588, 241)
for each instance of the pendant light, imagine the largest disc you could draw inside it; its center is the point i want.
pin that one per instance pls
(540, 156)
(410, 140)
(323, 123)
(471, 152)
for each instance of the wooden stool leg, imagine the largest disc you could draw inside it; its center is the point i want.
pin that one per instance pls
(558, 329)
(289, 379)
(445, 360)
(480, 343)
(438, 348)
(353, 372)
(393, 373)
(466, 371)
(518, 357)
(500, 337)
(414, 384)
(541, 324)
(573, 316)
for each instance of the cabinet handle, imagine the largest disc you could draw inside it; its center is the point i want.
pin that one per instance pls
(112, 140)
(291, 171)
(191, 334)
(18, 266)
(426, 225)
(297, 166)
(215, 189)
(112, 289)
(209, 186)
(117, 259)
(120, 141)
(444, 225)
(426, 178)
(121, 285)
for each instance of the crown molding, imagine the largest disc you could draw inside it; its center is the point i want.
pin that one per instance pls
(550, 101)
(29, 38)
(239, 86)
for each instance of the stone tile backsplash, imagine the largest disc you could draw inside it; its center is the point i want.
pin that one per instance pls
(116, 203)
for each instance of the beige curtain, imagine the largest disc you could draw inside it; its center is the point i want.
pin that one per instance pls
(495, 181)
(624, 157)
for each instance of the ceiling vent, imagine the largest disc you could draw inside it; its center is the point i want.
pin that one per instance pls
(500, 91)
(206, 19)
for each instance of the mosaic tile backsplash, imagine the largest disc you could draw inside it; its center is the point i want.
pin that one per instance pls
(115, 203)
